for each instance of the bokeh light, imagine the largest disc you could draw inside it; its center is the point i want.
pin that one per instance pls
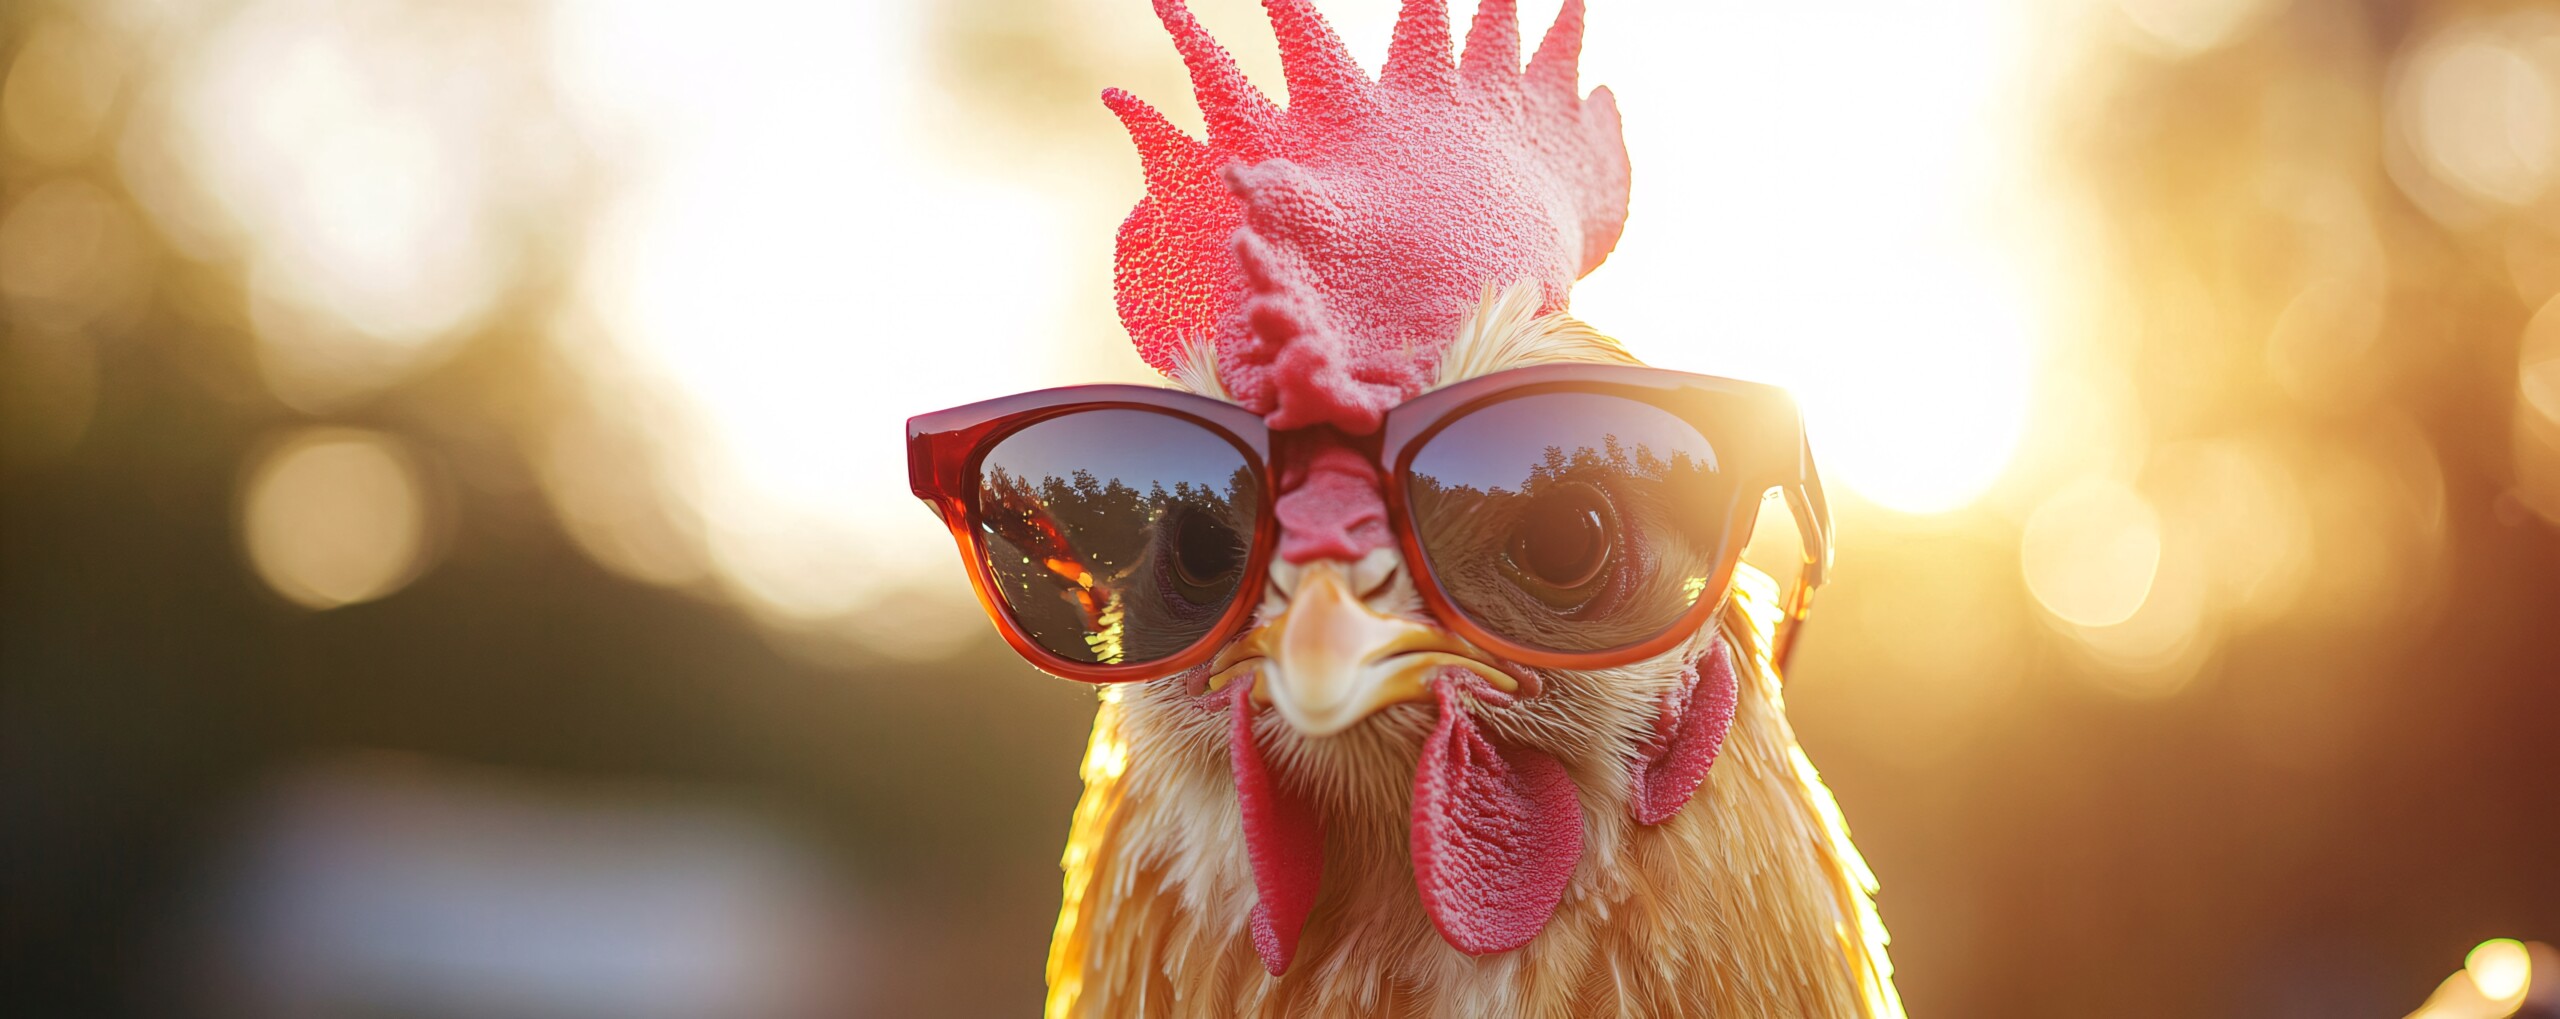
(2236, 505)
(69, 253)
(2090, 553)
(367, 164)
(2479, 105)
(2499, 979)
(331, 517)
(60, 90)
(802, 295)
(2500, 968)
(2181, 28)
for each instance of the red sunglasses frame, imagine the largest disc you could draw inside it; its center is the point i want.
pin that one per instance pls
(1758, 434)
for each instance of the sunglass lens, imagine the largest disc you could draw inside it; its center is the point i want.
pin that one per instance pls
(1571, 521)
(1116, 537)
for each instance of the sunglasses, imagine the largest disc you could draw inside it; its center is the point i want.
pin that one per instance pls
(1559, 516)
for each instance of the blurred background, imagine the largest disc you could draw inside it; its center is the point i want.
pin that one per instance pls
(458, 562)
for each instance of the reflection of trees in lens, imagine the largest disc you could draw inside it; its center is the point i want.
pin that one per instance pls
(1670, 511)
(1086, 564)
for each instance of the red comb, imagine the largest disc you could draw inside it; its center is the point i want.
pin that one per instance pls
(1327, 251)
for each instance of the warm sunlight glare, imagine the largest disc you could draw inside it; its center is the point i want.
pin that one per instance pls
(1820, 204)
(786, 253)
(350, 154)
(792, 254)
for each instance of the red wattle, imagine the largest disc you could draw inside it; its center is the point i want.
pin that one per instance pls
(1283, 837)
(1687, 735)
(1496, 834)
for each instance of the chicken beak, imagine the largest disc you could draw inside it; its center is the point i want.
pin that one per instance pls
(1329, 661)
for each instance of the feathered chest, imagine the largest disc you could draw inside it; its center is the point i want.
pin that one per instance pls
(1748, 901)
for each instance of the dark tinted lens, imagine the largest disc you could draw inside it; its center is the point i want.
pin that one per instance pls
(1116, 537)
(1571, 521)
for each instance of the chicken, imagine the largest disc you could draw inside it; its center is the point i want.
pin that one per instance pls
(1323, 832)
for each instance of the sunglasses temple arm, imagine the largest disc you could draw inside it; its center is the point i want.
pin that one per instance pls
(1813, 522)
(1797, 601)
(1813, 514)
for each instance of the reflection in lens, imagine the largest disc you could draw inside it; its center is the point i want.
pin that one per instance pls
(1116, 537)
(1571, 521)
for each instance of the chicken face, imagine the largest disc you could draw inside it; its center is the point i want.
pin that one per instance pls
(1348, 712)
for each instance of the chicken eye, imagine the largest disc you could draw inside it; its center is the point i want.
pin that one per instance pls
(1561, 542)
(1207, 555)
